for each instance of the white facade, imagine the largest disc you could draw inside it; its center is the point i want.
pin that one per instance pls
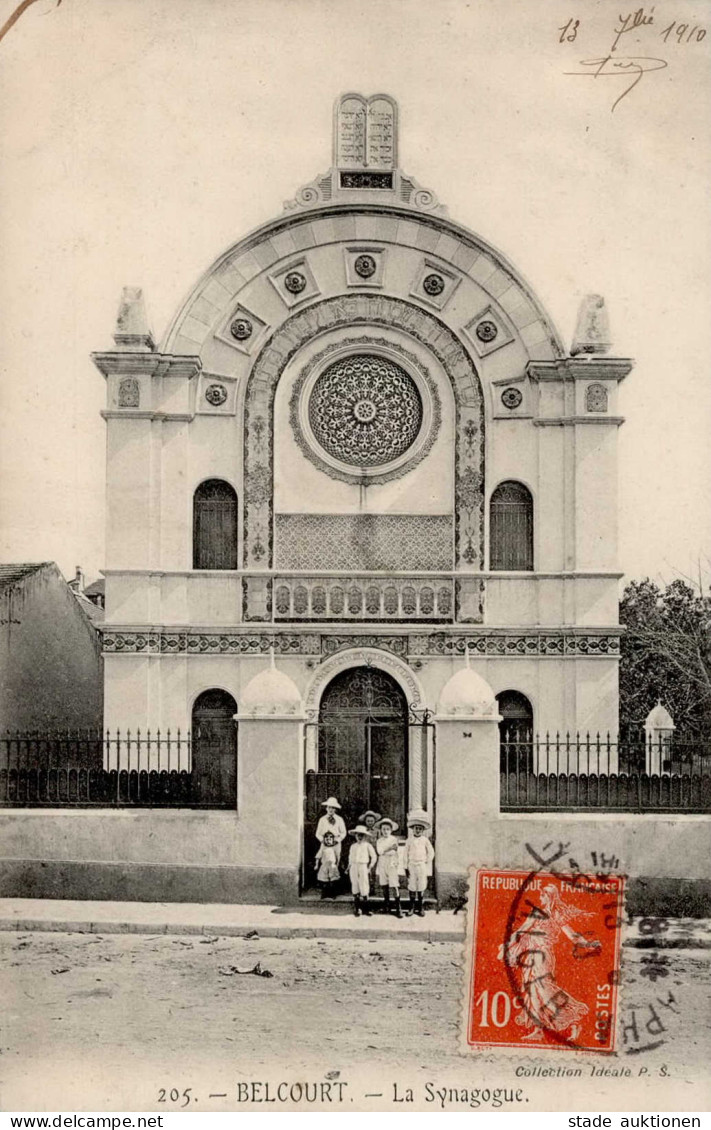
(363, 283)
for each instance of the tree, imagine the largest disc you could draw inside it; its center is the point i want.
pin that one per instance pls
(666, 654)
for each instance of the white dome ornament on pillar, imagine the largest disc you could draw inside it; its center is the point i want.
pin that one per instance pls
(468, 695)
(271, 694)
(659, 733)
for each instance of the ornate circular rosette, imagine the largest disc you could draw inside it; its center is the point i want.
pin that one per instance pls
(295, 282)
(486, 331)
(365, 266)
(365, 410)
(241, 329)
(511, 397)
(216, 395)
(433, 285)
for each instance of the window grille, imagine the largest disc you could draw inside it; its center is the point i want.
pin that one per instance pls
(215, 526)
(511, 527)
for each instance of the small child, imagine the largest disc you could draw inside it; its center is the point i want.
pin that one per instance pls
(419, 855)
(370, 819)
(327, 866)
(361, 861)
(331, 822)
(387, 869)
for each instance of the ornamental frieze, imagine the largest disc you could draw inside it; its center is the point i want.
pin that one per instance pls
(432, 644)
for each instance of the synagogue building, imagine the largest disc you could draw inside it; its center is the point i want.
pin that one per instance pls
(361, 523)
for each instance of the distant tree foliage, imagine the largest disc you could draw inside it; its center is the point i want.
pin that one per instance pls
(666, 655)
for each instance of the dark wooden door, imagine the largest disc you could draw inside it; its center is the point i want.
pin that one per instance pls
(214, 746)
(362, 753)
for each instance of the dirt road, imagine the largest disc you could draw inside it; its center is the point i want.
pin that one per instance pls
(130, 1022)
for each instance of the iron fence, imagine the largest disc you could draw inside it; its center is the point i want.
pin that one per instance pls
(108, 769)
(562, 772)
(626, 773)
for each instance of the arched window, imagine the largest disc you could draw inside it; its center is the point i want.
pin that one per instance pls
(215, 526)
(511, 527)
(214, 749)
(515, 732)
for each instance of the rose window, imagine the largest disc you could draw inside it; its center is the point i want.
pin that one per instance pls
(365, 410)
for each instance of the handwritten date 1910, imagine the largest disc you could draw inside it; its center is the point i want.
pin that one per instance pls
(683, 33)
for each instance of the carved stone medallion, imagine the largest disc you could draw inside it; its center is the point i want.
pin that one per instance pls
(216, 395)
(486, 331)
(433, 284)
(365, 266)
(511, 397)
(295, 282)
(241, 329)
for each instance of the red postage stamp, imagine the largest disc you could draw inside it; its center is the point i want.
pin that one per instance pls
(543, 955)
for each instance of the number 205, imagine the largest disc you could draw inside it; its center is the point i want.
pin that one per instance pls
(500, 1012)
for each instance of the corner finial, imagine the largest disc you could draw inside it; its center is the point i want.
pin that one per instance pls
(132, 330)
(592, 329)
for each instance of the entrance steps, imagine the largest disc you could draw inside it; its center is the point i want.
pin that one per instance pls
(344, 902)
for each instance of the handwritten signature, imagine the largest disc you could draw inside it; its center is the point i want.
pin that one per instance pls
(620, 67)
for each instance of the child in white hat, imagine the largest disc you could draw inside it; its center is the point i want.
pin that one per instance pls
(328, 874)
(332, 822)
(370, 819)
(387, 874)
(361, 861)
(419, 856)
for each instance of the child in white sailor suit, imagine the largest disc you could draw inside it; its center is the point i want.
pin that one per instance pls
(387, 870)
(361, 861)
(332, 822)
(328, 874)
(419, 856)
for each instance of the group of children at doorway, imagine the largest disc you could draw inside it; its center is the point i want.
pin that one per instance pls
(375, 849)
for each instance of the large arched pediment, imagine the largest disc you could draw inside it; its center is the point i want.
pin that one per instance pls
(339, 248)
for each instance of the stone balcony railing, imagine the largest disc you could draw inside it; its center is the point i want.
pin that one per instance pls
(364, 597)
(142, 598)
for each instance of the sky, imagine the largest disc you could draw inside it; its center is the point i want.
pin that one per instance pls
(141, 138)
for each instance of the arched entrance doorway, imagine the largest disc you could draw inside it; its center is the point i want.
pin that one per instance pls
(214, 749)
(362, 752)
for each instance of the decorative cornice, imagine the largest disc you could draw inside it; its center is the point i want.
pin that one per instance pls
(580, 369)
(137, 414)
(147, 364)
(569, 421)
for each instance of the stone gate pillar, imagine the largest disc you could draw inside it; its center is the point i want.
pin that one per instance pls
(269, 798)
(467, 776)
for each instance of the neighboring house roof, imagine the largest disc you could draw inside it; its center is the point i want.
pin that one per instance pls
(10, 574)
(14, 574)
(96, 588)
(94, 611)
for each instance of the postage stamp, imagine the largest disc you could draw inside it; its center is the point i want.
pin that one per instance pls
(542, 960)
